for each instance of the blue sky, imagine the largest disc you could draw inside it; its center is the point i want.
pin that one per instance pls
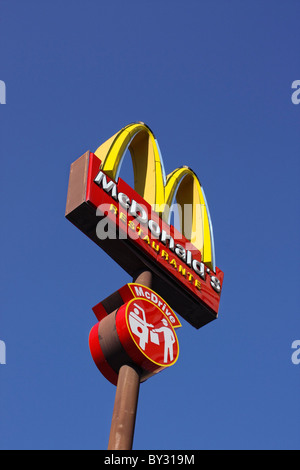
(213, 81)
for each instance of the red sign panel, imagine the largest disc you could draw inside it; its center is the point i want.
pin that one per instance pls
(119, 220)
(152, 332)
(141, 331)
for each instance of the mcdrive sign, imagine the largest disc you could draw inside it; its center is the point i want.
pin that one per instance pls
(141, 331)
(132, 225)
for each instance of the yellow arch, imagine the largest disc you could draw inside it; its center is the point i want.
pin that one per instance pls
(185, 186)
(157, 189)
(146, 160)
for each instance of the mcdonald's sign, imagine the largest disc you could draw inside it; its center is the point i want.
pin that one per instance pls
(133, 226)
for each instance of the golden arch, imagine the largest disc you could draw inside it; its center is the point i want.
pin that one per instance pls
(157, 189)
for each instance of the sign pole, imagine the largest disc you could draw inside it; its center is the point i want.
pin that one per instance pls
(124, 414)
(127, 394)
(135, 336)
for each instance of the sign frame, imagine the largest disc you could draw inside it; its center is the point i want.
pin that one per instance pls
(198, 306)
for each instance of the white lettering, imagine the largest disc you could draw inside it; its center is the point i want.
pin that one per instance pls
(154, 228)
(164, 237)
(116, 460)
(180, 252)
(139, 212)
(139, 291)
(189, 258)
(124, 200)
(106, 228)
(215, 284)
(108, 187)
(199, 268)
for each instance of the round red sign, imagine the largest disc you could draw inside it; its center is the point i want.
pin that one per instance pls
(152, 332)
(140, 333)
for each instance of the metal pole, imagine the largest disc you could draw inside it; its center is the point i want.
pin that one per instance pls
(127, 394)
(123, 420)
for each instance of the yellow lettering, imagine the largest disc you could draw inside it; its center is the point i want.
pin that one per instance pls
(131, 225)
(123, 217)
(182, 270)
(147, 239)
(173, 263)
(165, 255)
(155, 247)
(113, 209)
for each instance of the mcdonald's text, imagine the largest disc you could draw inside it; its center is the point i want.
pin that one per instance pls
(123, 224)
(138, 223)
